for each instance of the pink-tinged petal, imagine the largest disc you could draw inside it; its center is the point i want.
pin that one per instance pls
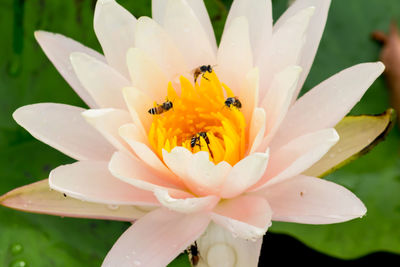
(246, 217)
(139, 145)
(234, 55)
(203, 176)
(249, 95)
(285, 48)
(186, 205)
(277, 101)
(103, 83)
(92, 181)
(177, 160)
(201, 12)
(152, 39)
(39, 198)
(62, 127)
(218, 247)
(147, 75)
(107, 121)
(199, 9)
(138, 104)
(156, 239)
(58, 48)
(311, 200)
(279, 95)
(182, 24)
(297, 156)
(326, 104)
(257, 129)
(259, 15)
(312, 35)
(115, 29)
(133, 171)
(244, 174)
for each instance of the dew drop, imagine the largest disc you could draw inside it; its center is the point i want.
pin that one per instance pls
(137, 263)
(18, 263)
(113, 207)
(16, 248)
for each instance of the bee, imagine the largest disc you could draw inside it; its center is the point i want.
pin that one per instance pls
(233, 101)
(201, 71)
(194, 254)
(196, 139)
(167, 105)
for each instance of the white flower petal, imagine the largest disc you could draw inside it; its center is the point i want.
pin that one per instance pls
(152, 39)
(257, 129)
(182, 25)
(107, 121)
(58, 48)
(138, 104)
(248, 96)
(259, 16)
(247, 217)
(244, 174)
(313, 33)
(146, 75)
(327, 103)
(132, 171)
(115, 29)
(200, 10)
(62, 127)
(311, 200)
(186, 205)
(91, 181)
(297, 156)
(39, 198)
(285, 48)
(156, 239)
(139, 145)
(103, 83)
(177, 160)
(277, 101)
(203, 176)
(218, 247)
(234, 55)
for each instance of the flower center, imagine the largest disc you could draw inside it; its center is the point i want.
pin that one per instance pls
(205, 117)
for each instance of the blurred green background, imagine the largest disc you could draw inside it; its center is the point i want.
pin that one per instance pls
(27, 77)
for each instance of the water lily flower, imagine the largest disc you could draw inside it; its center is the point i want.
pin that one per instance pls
(213, 160)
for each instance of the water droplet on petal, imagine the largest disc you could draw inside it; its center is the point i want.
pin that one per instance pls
(137, 263)
(113, 207)
(16, 248)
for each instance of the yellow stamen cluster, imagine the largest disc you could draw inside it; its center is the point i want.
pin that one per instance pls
(197, 109)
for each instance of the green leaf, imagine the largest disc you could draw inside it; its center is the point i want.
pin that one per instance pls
(374, 177)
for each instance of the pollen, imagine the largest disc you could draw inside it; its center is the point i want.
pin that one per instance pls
(199, 120)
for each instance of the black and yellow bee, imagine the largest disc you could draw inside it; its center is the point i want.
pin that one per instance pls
(201, 71)
(233, 101)
(196, 139)
(167, 105)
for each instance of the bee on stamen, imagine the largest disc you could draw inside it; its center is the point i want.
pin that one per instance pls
(201, 71)
(233, 101)
(194, 254)
(195, 141)
(158, 109)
